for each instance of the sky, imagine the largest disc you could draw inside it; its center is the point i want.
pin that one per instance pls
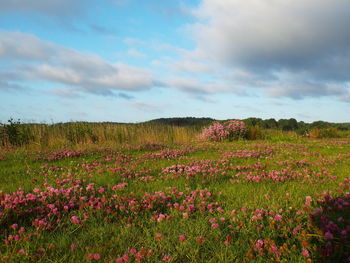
(137, 60)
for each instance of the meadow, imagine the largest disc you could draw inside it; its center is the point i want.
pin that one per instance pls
(168, 197)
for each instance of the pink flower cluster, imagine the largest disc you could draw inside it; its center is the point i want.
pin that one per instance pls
(230, 130)
(203, 169)
(245, 154)
(170, 154)
(304, 176)
(46, 208)
(333, 219)
(136, 256)
(258, 173)
(54, 156)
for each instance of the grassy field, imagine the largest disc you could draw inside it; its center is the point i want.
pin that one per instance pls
(244, 201)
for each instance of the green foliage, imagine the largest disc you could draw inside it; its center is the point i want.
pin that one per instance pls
(254, 133)
(288, 124)
(80, 132)
(270, 124)
(325, 133)
(188, 121)
(15, 134)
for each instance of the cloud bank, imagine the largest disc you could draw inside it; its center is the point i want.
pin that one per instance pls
(290, 48)
(30, 58)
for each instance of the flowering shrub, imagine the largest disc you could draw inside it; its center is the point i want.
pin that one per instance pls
(230, 130)
(236, 129)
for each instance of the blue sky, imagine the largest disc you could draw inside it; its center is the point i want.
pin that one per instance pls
(131, 61)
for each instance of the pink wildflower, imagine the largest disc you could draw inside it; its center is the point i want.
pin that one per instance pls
(182, 238)
(21, 251)
(215, 225)
(328, 235)
(166, 258)
(305, 253)
(14, 226)
(277, 217)
(73, 246)
(159, 236)
(126, 257)
(212, 220)
(75, 220)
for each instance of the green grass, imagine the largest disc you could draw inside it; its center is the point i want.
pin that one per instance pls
(112, 237)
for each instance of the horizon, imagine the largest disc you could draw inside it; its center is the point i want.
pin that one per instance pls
(128, 61)
(169, 118)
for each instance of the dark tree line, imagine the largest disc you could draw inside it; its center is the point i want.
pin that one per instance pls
(186, 121)
(281, 124)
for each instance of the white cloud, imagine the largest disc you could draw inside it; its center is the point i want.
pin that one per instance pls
(191, 66)
(86, 72)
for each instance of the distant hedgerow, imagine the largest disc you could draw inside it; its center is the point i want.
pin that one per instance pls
(230, 130)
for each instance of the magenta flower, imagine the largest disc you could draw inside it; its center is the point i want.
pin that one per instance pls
(212, 220)
(305, 253)
(126, 257)
(182, 238)
(277, 217)
(166, 258)
(73, 246)
(308, 199)
(215, 225)
(14, 226)
(328, 235)
(21, 251)
(75, 220)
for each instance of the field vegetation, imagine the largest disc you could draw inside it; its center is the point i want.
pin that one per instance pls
(160, 192)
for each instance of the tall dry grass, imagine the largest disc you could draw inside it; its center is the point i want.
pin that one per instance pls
(80, 133)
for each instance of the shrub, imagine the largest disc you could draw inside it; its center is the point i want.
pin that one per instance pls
(324, 133)
(254, 133)
(315, 133)
(15, 133)
(230, 130)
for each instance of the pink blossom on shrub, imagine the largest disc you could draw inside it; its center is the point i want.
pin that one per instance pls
(230, 130)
